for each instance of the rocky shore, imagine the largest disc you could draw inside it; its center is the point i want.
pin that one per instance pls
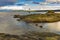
(31, 36)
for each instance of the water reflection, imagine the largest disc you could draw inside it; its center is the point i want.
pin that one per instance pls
(8, 24)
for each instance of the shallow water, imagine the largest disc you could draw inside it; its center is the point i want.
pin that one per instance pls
(8, 24)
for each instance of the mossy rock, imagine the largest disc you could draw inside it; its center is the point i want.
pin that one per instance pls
(31, 36)
(50, 12)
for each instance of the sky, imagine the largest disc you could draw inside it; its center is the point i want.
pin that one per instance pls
(23, 2)
(12, 2)
(7, 2)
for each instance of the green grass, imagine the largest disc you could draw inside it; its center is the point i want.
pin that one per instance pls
(42, 17)
(49, 17)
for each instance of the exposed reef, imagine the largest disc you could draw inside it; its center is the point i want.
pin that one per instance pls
(48, 17)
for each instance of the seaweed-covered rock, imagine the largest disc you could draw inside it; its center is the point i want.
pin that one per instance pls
(31, 36)
(41, 36)
(49, 17)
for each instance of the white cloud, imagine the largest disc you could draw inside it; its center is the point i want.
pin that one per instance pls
(44, 3)
(26, 7)
(11, 8)
(53, 0)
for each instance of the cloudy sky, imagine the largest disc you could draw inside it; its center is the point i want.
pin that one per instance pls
(22, 2)
(11, 2)
(7, 2)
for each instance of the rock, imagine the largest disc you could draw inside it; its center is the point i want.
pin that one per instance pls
(31, 36)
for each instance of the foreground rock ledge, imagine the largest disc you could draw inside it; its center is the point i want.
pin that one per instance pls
(31, 36)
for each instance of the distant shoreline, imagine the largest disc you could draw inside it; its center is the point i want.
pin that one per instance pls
(27, 10)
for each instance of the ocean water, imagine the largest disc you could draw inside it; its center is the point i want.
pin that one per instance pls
(10, 25)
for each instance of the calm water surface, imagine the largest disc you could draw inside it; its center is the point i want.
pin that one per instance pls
(8, 24)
